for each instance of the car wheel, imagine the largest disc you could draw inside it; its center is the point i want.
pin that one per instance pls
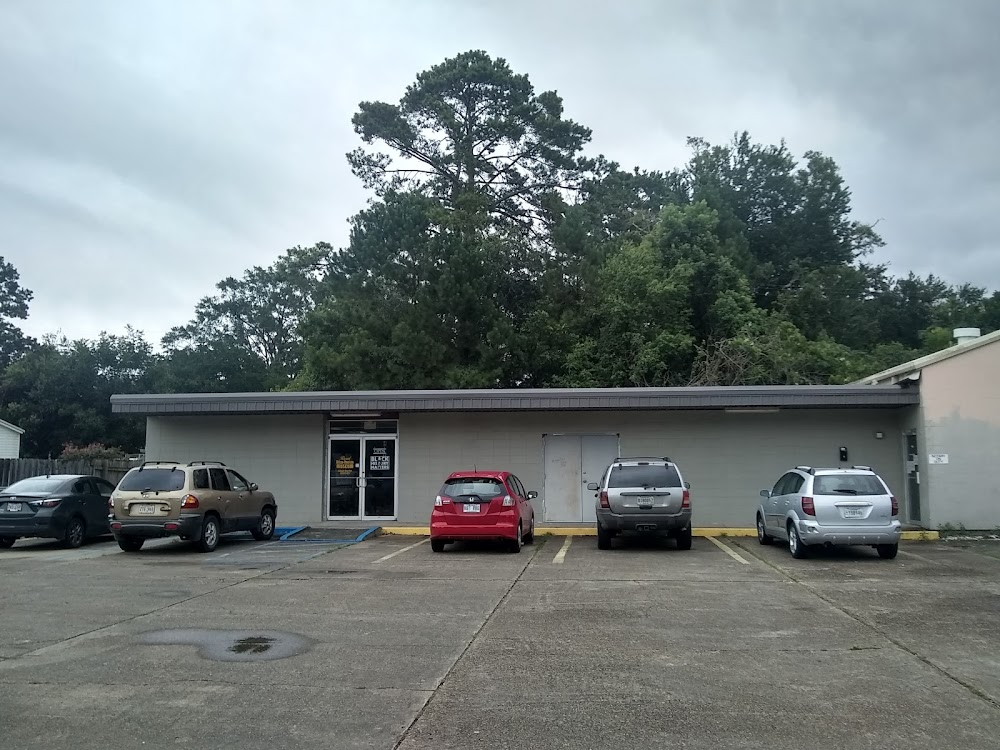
(6, 542)
(887, 551)
(603, 537)
(762, 536)
(518, 541)
(684, 538)
(130, 543)
(529, 538)
(76, 532)
(265, 526)
(795, 545)
(209, 534)
(437, 545)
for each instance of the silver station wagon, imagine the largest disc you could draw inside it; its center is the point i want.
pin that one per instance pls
(810, 507)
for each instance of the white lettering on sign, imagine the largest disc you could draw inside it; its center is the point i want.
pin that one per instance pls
(378, 451)
(378, 463)
(938, 458)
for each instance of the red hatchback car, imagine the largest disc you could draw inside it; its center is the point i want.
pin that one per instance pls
(483, 505)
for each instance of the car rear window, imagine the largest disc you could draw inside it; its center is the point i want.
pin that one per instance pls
(473, 486)
(652, 475)
(35, 484)
(152, 480)
(848, 484)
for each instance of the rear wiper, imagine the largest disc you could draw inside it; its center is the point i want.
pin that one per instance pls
(847, 492)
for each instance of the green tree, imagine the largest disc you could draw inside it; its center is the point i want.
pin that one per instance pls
(474, 135)
(60, 392)
(257, 316)
(14, 301)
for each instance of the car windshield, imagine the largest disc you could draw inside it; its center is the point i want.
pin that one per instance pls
(152, 480)
(35, 484)
(473, 486)
(848, 484)
(650, 475)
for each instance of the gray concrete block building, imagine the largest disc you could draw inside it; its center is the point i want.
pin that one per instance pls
(931, 428)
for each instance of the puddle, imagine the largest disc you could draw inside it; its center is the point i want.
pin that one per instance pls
(232, 645)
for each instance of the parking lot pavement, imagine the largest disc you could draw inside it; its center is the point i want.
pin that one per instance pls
(727, 645)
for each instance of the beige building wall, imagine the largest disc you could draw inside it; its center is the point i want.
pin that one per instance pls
(727, 457)
(960, 400)
(283, 454)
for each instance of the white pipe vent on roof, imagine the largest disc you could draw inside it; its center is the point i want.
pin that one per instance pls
(965, 335)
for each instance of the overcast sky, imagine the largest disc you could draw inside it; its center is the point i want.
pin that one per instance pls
(149, 149)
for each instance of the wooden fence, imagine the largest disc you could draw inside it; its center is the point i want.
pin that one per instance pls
(15, 469)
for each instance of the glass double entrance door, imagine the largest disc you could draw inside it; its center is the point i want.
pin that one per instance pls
(362, 477)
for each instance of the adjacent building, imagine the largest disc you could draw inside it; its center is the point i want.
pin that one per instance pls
(10, 440)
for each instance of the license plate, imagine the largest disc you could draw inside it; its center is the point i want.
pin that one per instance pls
(645, 500)
(143, 510)
(854, 512)
(472, 507)
(13, 507)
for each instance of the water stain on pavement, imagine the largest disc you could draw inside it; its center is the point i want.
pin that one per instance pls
(232, 645)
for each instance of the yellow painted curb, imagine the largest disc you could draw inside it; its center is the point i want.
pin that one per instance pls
(588, 530)
(407, 530)
(909, 536)
(920, 536)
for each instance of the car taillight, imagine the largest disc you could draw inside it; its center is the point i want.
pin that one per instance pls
(190, 501)
(686, 500)
(508, 501)
(605, 503)
(808, 507)
(895, 506)
(439, 501)
(46, 503)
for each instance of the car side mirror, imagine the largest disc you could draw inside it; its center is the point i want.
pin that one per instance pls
(687, 485)
(254, 487)
(765, 493)
(593, 486)
(532, 495)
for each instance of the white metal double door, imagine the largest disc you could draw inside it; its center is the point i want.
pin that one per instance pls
(571, 462)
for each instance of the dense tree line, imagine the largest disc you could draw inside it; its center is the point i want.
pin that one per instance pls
(495, 253)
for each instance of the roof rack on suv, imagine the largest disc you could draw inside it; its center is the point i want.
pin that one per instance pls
(862, 468)
(155, 463)
(206, 463)
(641, 458)
(809, 469)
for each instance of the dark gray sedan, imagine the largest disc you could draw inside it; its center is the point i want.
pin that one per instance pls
(67, 507)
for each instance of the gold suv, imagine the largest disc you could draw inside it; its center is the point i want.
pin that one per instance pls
(196, 501)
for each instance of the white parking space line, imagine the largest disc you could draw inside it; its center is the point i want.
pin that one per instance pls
(728, 550)
(401, 551)
(560, 557)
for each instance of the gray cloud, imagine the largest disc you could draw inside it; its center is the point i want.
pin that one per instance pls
(148, 149)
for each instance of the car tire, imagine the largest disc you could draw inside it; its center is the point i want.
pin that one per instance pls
(603, 537)
(529, 538)
(762, 536)
(684, 538)
(887, 551)
(265, 526)
(6, 542)
(209, 538)
(795, 545)
(518, 541)
(437, 545)
(75, 534)
(130, 543)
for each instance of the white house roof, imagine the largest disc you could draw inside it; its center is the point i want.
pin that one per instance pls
(901, 372)
(11, 427)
